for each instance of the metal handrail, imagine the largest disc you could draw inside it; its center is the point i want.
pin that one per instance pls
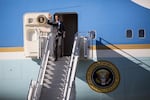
(42, 69)
(31, 89)
(72, 69)
(36, 93)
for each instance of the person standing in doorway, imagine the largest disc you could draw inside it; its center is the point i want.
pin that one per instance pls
(59, 31)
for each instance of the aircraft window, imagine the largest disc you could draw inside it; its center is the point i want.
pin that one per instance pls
(141, 33)
(129, 33)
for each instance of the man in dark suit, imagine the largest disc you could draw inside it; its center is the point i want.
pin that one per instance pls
(59, 31)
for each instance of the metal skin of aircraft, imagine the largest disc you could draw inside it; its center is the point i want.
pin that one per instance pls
(113, 65)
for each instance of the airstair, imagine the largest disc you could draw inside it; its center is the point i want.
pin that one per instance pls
(56, 78)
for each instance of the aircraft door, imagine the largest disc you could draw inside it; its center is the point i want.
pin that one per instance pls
(35, 27)
(70, 21)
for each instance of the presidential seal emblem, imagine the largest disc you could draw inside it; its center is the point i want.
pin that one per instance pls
(103, 76)
(41, 19)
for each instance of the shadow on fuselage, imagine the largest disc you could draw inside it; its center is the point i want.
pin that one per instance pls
(134, 75)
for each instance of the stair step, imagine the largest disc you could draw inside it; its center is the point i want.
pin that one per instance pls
(47, 76)
(45, 85)
(51, 58)
(49, 67)
(52, 63)
(49, 72)
(47, 81)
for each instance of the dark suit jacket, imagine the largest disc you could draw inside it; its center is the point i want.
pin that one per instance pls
(55, 24)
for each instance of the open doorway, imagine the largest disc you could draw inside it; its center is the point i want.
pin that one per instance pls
(70, 21)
